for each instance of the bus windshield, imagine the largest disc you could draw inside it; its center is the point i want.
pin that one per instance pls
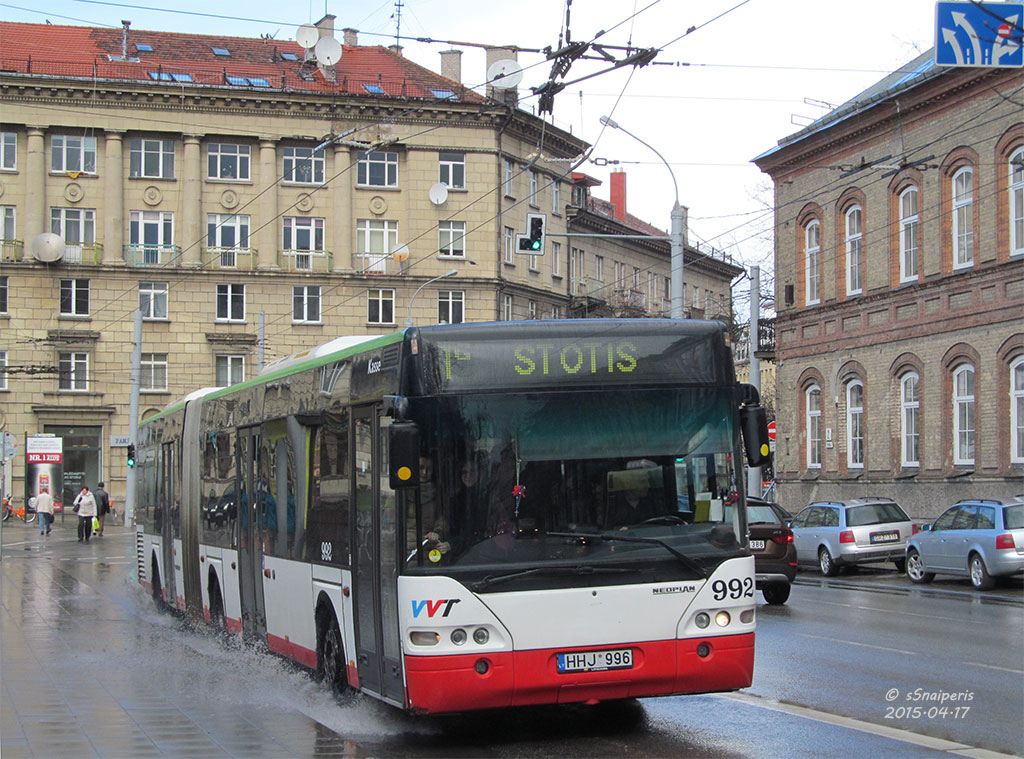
(575, 479)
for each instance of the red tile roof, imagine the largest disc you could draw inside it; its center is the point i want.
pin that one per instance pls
(82, 51)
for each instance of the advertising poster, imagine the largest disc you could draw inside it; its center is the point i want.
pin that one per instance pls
(44, 468)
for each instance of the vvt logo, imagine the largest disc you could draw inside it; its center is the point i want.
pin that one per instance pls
(433, 607)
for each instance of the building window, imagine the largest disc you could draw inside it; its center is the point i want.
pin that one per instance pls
(7, 227)
(151, 233)
(666, 293)
(1017, 411)
(506, 307)
(533, 187)
(154, 371)
(910, 420)
(73, 154)
(227, 235)
(451, 238)
(8, 151)
(74, 297)
(451, 168)
(3, 294)
(854, 250)
(963, 218)
(73, 371)
(556, 312)
(510, 170)
(303, 237)
(556, 259)
(231, 303)
(812, 256)
(696, 297)
(963, 415)
(77, 226)
(908, 235)
(509, 239)
(377, 168)
(534, 263)
(306, 304)
(599, 268)
(3, 370)
(855, 425)
(813, 405)
(556, 197)
(531, 309)
(151, 158)
(303, 166)
(227, 161)
(380, 306)
(451, 305)
(1017, 203)
(230, 370)
(153, 300)
(375, 241)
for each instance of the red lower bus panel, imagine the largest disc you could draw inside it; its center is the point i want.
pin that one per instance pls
(660, 668)
(298, 653)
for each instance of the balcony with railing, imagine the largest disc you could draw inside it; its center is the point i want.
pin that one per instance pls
(145, 254)
(590, 287)
(11, 250)
(629, 297)
(306, 260)
(83, 253)
(229, 258)
(374, 263)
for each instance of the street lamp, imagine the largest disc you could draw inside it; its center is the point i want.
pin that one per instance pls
(408, 319)
(676, 235)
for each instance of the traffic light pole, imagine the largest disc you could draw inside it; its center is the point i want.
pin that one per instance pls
(133, 416)
(754, 472)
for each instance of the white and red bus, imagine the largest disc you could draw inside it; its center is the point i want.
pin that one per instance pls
(470, 516)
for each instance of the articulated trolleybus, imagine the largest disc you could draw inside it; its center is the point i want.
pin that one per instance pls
(470, 516)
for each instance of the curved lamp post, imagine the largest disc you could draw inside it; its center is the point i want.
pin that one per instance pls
(408, 318)
(676, 236)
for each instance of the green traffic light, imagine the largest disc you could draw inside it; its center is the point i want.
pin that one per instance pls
(535, 245)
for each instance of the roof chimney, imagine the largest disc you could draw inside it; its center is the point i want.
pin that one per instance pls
(124, 39)
(351, 36)
(618, 189)
(396, 49)
(451, 65)
(508, 96)
(326, 26)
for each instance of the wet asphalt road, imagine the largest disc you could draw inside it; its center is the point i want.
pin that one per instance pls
(89, 668)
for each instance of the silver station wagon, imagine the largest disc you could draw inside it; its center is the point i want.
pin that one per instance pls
(832, 534)
(981, 539)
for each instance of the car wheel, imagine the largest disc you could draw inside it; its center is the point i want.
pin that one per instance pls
(915, 569)
(980, 578)
(901, 565)
(829, 568)
(776, 594)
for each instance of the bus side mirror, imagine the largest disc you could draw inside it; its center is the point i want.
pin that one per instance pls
(404, 455)
(754, 424)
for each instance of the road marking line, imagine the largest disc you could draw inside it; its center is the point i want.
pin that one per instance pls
(855, 643)
(895, 611)
(992, 666)
(899, 734)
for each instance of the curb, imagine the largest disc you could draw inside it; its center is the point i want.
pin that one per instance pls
(962, 595)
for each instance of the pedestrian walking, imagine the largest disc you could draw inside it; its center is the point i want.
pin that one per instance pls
(102, 506)
(85, 507)
(44, 511)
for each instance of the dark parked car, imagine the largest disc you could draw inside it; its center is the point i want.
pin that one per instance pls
(771, 543)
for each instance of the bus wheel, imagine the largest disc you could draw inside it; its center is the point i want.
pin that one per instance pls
(216, 608)
(158, 593)
(330, 659)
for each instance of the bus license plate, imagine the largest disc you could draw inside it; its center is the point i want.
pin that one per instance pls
(596, 661)
(884, 537)
(756, 545)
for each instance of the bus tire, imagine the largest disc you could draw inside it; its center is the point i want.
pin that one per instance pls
(776, 593)
(216, 606)
(330, 653)
(158, 592)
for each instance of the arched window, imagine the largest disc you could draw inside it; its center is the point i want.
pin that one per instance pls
(855, 425)
(813, 405)
(963, 415)
(963, 218)
(1017, 411)
(854, 251)
(812, 254)
(1017, 203)
(908, 235)
(910, 420)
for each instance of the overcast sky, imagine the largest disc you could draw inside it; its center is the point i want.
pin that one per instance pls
(752, 64)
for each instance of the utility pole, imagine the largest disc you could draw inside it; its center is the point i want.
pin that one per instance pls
(133, 416)
(262, 330)
(754, 473)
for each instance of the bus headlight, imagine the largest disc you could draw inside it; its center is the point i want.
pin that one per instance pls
(481, 636)
(722, 618)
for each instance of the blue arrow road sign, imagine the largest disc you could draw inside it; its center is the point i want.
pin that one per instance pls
(983, 34)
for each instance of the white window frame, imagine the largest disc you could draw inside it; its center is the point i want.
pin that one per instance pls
(303, 165)
(8, 151)
(813, 431)
(153, 300)
(153, 375)
(556, 197)
(303, 237)
(216, 224)
(77, 227)
(909, 203)
(534, 180)
(376, 239)
(854, 251)
(509, 239)
(8, 223)
(506, 185)
(1017, 410)
(556, 311)
(556, 260)
(855, 424)
(963, 218)
(3, 371)
(812, 262)
(451, 239)
(368, 160)
(910, 420)
(531, 309)
(450, 164)
(228, 369)
(383, 298)
(506, 307)
(451, 306)
(220, 155)
(163, 223)
(964, 415)
(143, 151)
(230, 302)
(75, 288)
(70, 154)
(74, 378)
(1016, 205)
(599, 268)
(306, 304)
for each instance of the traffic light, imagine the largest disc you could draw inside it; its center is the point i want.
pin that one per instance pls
(533, 241)
(131, 456)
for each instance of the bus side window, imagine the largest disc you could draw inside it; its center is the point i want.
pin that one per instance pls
(327, 523)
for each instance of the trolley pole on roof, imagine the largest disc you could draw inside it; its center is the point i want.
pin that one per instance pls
(133, 416)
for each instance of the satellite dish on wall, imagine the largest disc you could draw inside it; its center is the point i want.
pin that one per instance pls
(48, 247)
(401, 253)
(327, 51)
(307, 35)
(438, 193)
(504, 74)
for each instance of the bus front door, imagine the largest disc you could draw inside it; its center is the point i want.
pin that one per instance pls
(250, 552)
(378, 650)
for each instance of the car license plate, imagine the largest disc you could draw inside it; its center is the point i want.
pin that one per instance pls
(595, 661)
(885, 537)
(756, 545)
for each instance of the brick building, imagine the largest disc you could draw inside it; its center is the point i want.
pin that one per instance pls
(193, 177)
(899, 261)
